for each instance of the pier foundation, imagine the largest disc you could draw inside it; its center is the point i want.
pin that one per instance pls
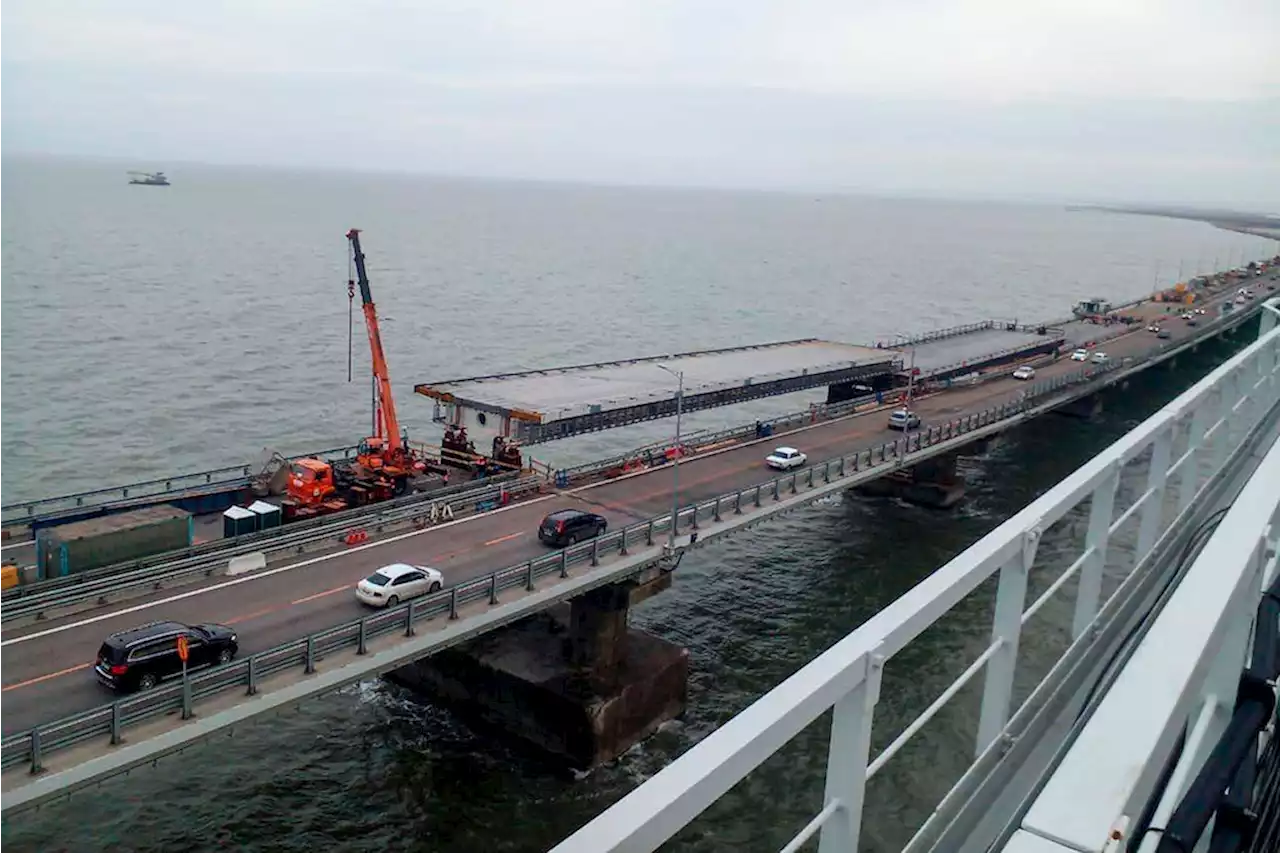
(934, 482)
(575, 681)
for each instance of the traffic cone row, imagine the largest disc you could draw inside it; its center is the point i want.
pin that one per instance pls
(355, 537)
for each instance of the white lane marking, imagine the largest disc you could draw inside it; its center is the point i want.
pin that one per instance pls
(259, 575)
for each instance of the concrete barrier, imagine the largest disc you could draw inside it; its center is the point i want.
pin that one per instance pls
(247, 563)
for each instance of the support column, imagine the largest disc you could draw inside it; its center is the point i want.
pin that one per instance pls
(935, 482)
(574, 681)
(1084, 408)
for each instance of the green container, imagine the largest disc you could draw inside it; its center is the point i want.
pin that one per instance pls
(110, 539)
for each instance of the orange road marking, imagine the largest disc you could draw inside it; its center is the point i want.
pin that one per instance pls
(320, 594)
(40, 678)
(506, 538)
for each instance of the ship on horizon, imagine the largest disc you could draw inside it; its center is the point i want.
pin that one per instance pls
(149, 179)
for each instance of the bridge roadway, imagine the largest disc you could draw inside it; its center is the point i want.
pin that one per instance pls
(47, 664)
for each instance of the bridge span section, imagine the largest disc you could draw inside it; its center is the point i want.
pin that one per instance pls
(540, 405)
(44, 663)
(1151, 723)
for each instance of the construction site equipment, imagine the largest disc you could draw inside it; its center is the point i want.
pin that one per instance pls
(384, 466)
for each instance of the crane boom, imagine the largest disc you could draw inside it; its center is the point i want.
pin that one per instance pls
(386, 402)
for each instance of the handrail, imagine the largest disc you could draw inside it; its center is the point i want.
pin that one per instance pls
(1207, 426)
(226, 475)
(111, 719)
(26, 599)
(166, 567)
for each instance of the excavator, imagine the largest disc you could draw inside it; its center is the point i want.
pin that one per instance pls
(384, 466)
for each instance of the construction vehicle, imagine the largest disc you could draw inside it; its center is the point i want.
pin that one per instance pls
(384, 466)
(459, 451)
(1091, 308)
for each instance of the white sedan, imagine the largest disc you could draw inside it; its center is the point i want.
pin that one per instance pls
(1080, 355)
(785, 458)
(398, 582)
(1025, 372)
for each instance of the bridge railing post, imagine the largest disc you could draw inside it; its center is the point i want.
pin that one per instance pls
(453, 604)
(37, 757)
(251, 678)
(408, 618)
(493, 589)
(310, 656)
(186, 694)
(847, 754)
(117, 736)
(1158, 472)
(1089, 590)
(1189, 478)
(1228, 395)
(1006, 629)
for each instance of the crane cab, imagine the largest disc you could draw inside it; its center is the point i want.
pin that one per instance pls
(372, 452)
(310, 485)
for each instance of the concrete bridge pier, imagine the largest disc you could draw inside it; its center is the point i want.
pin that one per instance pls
(934, 482)
(576, 681)
(1085, 408)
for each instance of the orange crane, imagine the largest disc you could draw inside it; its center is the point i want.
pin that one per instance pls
(385, 449)
(384, 464)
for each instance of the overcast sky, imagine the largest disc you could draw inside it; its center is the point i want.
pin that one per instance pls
(1144, 100)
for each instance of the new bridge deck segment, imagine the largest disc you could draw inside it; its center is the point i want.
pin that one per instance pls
(539, 405)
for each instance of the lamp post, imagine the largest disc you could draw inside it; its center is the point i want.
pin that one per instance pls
(911, 378)
(675, 467)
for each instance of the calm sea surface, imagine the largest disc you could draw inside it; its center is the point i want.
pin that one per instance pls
(147, 331)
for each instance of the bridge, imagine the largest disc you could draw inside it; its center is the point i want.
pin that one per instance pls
(1148, 733)
(306, 635)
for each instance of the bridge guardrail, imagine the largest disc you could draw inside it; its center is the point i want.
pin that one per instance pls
(1216, 425)
(110, 720)
(160, 568)
(229, 475)
(25, 600)
(816, 412)
(356, 515)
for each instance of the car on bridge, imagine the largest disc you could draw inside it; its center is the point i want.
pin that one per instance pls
(1025, 372)
(904, 419)
(570, 526)
(1100, 357)
(398, 582)
(786, 458)
(1080, 355)
(142, 657)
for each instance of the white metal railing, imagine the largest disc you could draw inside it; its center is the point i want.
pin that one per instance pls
(1182, 676)
(1184, 446)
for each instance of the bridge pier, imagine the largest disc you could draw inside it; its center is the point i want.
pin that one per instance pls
(1084, 408)
(934, 482)
(575, 682)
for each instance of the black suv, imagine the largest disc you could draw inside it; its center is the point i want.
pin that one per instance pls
(140, 658)
(567, 526)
